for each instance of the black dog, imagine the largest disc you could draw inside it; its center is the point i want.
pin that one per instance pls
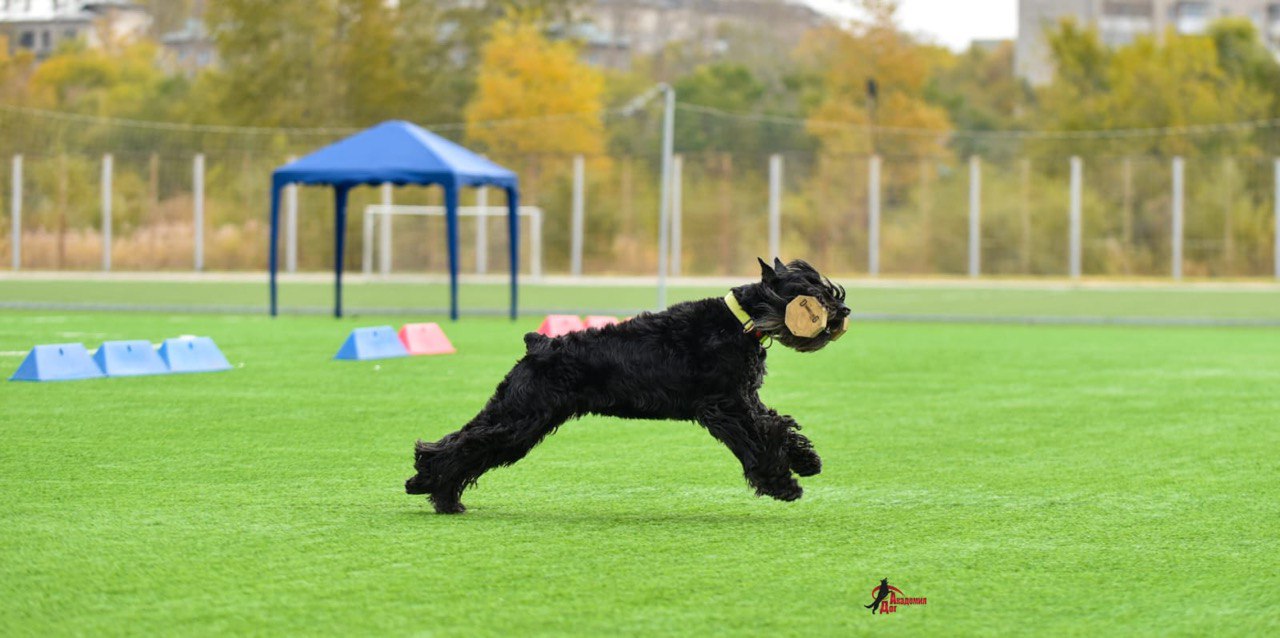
(700, 360)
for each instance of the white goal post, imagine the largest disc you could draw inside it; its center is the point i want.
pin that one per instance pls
(481, 213)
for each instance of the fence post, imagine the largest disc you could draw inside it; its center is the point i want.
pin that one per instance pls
(873, 219)
(535, 251)
(579, 202)
(775, 206)
(1077, 166)
(107, 162)
(1024, 211)
(926, 214)
(975, 216)
(482, 231)
(1126, 175)
(198, 197)
(384, 233)
(15, 208)
(1275, 202)
(291, 225)
(1178, 212)
(366, 243)
(677, 214)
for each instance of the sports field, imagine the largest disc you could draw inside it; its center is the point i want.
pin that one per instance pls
(1024, 479)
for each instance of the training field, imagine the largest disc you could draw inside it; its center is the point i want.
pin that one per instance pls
(1024, 479)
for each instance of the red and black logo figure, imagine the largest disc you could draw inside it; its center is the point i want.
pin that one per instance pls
(887, 598)
(881, 592)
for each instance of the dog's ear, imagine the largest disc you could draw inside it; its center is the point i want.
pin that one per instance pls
(766, 271)
(778, 266)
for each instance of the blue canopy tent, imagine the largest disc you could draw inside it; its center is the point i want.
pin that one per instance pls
(398, 153)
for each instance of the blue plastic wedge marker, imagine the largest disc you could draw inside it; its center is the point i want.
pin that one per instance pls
(129, 359)
(57, 362)
(364, 344)
(192, 354)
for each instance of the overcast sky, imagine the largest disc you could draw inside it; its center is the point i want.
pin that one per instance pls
(953, 23)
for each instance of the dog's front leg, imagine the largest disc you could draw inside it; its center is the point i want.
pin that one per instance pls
(800, 455)
(759, 444)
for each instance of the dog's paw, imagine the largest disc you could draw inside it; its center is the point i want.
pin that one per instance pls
(800, 455)
(413, 486)
(804, 462)
(448, 506)
(787, 494)
(779, 488)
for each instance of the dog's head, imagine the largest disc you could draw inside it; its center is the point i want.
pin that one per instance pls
(796, 305)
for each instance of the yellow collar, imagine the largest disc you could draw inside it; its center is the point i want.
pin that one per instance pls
(736, 308)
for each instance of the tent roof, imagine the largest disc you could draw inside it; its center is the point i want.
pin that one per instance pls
(397, 152)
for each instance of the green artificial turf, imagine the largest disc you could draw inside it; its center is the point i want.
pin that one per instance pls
(1026, 480)
(1247, 303)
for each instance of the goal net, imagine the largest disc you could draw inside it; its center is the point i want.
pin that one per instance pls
(388, 231)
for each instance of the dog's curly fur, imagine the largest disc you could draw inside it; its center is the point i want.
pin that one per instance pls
(693, 361)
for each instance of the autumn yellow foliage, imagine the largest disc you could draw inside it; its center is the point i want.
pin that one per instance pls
(100, 81)
(556, 98)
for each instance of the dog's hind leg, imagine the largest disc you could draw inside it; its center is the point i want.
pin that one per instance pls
(500, 435)
(515, 419)
(759, 444)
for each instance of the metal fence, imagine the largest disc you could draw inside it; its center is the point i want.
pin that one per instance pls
(1073, 217)
(87, 194)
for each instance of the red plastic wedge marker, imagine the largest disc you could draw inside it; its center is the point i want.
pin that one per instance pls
(600, 321)
(556, 325)
(425, 338)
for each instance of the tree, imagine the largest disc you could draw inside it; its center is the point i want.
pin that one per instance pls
(15, 71)
(980, 93)
(1177, 81)
(279, 63)
(1243, 54)
(346, 63)
(109, 81)
(534, 96)
(874, 50)
(374, 87)
(723, 86)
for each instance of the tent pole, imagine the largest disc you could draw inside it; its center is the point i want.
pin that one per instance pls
(339, 244)
(451, 228)
(275, 240)
(513, 246)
